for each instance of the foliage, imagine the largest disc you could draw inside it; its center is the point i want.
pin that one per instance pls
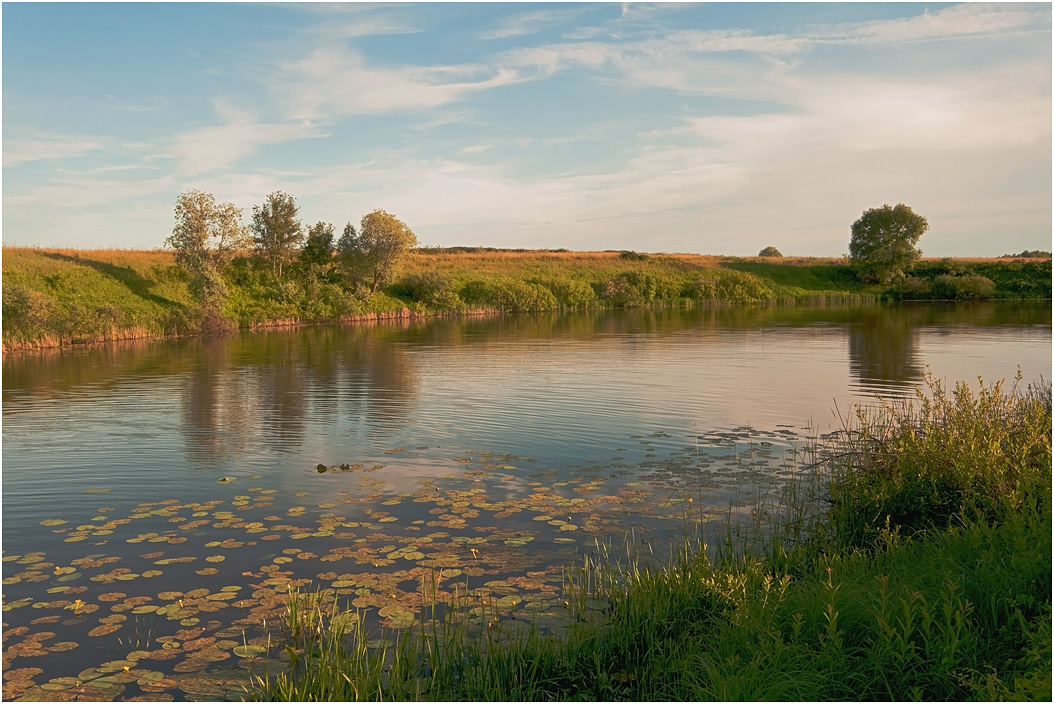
(883, 242)
(318, 249)
(508, 295)
(770, 251)
(150, 297)
(635, 289)
(372, 256)
(632, 256)
(569, 293)
(965, 287)
(206, 236)
(276, 231)
(955, 455)
(1030, 254)
(435, 290)
(730, 285)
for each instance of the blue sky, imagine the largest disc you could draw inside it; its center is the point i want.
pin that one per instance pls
(708, 128)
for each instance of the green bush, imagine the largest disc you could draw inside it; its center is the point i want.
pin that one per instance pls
(958, 454)
(508, 295)
(632, 256)
(912, 287)
(27, 313)
(435, 290)
(731, 286)
(965, 287)
(569, 293)
(635, 289)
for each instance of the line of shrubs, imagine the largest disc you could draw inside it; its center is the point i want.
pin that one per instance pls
(627, 289)
(956, 280)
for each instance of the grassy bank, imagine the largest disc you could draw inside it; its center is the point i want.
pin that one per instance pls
(924, 574)
(59, 297)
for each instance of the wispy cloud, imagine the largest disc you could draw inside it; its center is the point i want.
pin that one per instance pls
(959, 21)
(221, 146)
(337, 81)
(530, 23)
(51, 146)
(83, 191)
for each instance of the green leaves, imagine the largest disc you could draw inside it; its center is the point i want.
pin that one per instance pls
(883, 242)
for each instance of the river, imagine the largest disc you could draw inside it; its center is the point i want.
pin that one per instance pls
(160, 497)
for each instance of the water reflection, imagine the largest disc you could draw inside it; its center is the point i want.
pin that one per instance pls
(268, 389)
(884, 350)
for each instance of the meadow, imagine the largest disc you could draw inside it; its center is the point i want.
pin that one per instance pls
(54, 298)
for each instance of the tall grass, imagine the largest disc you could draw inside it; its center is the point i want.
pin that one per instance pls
(949, 599)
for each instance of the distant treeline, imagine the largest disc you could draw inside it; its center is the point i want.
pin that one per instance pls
(1029, 254)
(60, 297)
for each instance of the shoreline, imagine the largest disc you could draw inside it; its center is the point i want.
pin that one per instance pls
(60, 299)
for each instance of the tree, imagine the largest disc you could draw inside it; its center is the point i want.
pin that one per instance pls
(318, 249)
(770, 251)
(883, 242)
(206, 236)
(276, 231)
(373, 254)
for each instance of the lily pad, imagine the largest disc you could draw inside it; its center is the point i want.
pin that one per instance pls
(249, 651)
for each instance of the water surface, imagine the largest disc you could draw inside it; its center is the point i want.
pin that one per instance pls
(488, 450)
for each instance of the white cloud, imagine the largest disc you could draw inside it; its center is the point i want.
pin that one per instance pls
(87, 191)
(959, 21)
(52, 146)
(221, 146)
(529, 23)
(337, 81)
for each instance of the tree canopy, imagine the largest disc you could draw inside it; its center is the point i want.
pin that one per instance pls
(276, 231)
(318, 249)
(883, 242)
(770, 251)
(372, 255)
(206, 236)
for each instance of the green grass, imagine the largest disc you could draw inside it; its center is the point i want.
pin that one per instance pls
(60, 297)
(948, 602)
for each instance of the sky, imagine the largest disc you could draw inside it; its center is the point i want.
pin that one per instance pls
(705, 128)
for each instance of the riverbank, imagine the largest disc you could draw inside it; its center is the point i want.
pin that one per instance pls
(924, 575)
(56, 298)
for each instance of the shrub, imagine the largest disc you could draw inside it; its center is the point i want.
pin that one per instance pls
(430, 288)
(569, 293)
(731, 286)
(965, 287)
(913, 468)
(629, 289)
(25, 310)
(770, 251)
(632, 256)
(509, 296)
(912, 287)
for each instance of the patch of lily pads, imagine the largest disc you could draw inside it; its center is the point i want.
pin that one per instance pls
(189, 593)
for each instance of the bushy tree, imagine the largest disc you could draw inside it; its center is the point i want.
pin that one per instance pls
(770, 251)
(276, 231)
(318, 249)
(206, 236)
(372, 255)
(883, 242)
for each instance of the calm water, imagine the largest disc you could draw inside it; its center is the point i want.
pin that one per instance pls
(486, 450)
